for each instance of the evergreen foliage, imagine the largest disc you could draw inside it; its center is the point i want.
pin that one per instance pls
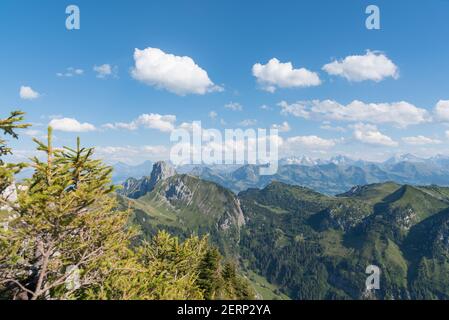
(8, 126)
(65, 239)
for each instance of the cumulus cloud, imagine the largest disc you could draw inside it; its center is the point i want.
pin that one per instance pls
(369, 134)
(234, 106)
(310, 142)
(71, 72)
(177, 74)
(70, 125)
(105, 70)
(276, 74)
(442, 110)
(242, 142)
(371, 66)
(27, 93)
(297, 109)
(400, 114)
(283, 127)
(420, 140)
(164, 123)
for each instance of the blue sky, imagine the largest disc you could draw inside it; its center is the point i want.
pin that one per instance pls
(226, 39)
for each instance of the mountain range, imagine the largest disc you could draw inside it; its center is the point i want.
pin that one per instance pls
(333, 176)
(294, 242)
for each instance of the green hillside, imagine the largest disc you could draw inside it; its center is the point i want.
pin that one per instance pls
(319, 250)
(185, 205)
(292, 242)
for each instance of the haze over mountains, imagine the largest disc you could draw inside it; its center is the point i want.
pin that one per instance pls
(333, 176)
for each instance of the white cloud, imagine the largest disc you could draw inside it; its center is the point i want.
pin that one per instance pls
(234, 106)
(240, 143)
(248, 122)
(122, 125)
(327, 126)
(109, 126)
(442, 110)
(213, 115)
(369, 134)
(310, 142)
(296, 109)
(420, 140)
(27, 93)
(70, 125)
(276, 74)
(35, 133)
(71, 72)
(164, 123)
(400, 114)
(190, 126)
(371, 66)
(177, 74)
(105, 70)
(283, 127)
(265, 107)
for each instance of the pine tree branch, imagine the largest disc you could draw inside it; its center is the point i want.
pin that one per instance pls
(18, 284)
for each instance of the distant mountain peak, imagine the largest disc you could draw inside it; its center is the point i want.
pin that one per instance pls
(161, 171)
(303, 160)
(123, 171)
(134, 188)
(407, 157)
(341, 160)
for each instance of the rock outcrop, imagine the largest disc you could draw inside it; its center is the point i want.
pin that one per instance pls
(135, 188)
(10, 195)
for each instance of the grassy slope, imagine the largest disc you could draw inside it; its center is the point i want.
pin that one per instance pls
(264, 289)
(350, 232)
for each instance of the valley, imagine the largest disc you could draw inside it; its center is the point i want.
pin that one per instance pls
(293, 242)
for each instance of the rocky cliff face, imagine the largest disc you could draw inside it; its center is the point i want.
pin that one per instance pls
(10, 194)
(135, 188)
(187, 204)
(161, 171)
(203, 198)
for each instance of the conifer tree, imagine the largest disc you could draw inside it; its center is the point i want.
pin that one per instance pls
(162, 269)
(68, 234)
(209, 277)
(8, 127)
(235, 285)
(67, 239)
